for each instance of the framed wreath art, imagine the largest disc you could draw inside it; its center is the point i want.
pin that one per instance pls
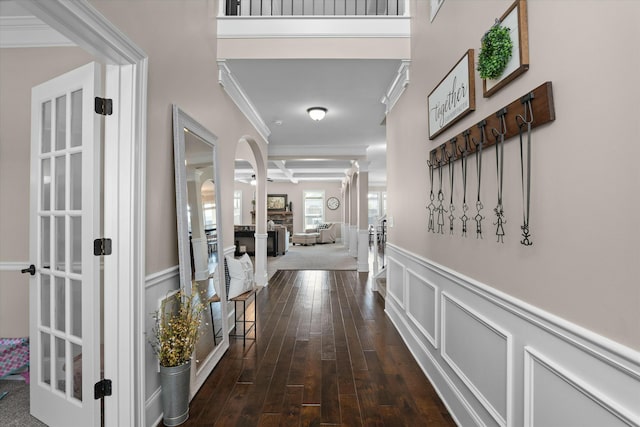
(504, 50)
(495, 51)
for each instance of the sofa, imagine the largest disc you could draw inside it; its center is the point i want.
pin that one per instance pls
(326, 233)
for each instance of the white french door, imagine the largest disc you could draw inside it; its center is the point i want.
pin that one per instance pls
(64, 297)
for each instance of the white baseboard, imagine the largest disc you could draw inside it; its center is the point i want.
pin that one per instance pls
(153, 405)
(498, 361)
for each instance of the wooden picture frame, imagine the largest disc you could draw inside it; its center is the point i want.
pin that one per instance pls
(276, 202)
(453, 97)
(515, 18)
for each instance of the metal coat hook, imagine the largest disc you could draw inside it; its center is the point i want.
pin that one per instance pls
(525, 120)
(464, 218)
(454, 148)
(452, 156)
(499, 137)
(501, 126)
(440, 208)
(479, 206)
(431, 206)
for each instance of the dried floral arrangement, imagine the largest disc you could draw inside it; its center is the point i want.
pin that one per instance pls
(176, 329)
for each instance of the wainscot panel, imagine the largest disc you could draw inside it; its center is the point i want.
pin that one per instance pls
(395, 277)
(157, 286)
(503, 362)
(422, 302)
(478, 351)
(546, 384)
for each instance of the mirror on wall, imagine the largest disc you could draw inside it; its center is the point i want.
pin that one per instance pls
(199, 240)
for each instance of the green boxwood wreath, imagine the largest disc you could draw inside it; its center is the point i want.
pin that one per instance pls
(495, 52)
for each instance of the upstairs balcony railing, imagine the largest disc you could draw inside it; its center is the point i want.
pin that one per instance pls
(315, 7)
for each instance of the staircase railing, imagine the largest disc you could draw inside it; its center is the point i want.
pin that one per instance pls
(315, 7)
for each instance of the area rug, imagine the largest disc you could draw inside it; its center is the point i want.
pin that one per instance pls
(14, 406)
(329, 256)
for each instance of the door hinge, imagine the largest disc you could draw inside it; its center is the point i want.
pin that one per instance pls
(101, 389)
(103, 106)
(102, 247)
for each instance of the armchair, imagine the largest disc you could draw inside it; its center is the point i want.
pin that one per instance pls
(326, 233)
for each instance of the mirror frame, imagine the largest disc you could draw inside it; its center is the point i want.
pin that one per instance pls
(181, 122)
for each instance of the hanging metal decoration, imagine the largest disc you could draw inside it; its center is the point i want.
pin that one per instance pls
(478, 218)
(525, 120)
(463, 163)
(431, 207)
(441, 210)
(499, 137)
(451, 157)
(501, 124)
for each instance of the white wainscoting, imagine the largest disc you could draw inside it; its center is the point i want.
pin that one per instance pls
(422, 306)
(157, 286)
(498, 361)
(547, 383)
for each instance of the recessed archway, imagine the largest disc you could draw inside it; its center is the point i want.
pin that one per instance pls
(248, 149)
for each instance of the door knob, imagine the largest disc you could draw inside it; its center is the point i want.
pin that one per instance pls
(31, 270)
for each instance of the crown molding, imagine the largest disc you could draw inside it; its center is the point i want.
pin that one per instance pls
(345, 152)
(237, 94)
(29, 31)
(397, 87)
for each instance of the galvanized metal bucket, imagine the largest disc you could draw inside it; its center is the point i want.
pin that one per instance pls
(175, 393)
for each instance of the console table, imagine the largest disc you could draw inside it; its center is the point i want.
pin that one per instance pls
(247, 239)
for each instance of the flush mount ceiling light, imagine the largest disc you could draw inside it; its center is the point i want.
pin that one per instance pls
(317, 113)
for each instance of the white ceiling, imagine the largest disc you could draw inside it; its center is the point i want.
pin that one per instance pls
(281, 90)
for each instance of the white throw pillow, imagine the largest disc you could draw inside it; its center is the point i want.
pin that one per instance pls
(238, 277)
(247, 265)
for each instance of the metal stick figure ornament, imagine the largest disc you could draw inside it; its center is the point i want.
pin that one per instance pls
(525, 120)
(451, 156)
(478, 218)
(463, 163)
(499, 137)
(431, 207)
(441, 210)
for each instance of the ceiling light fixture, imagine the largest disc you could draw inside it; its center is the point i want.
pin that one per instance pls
(317, 113)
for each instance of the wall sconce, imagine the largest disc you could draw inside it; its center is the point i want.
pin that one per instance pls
(317, 113)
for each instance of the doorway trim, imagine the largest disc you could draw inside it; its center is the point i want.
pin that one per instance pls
(125, 174)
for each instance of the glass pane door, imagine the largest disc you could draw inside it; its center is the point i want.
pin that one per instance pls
(65, 305)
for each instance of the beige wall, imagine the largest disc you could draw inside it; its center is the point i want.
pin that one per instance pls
(20, 70)
(182, 70)
(585, 198)
(294, 195)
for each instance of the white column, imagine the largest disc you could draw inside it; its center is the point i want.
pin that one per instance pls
(229, 322)
(375, 256)
(353, 241)
(261, 274)
(353, 215)
(363, 217)
(345, 213)
(363, 251)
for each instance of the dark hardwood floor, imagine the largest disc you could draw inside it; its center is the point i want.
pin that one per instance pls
(325, 354)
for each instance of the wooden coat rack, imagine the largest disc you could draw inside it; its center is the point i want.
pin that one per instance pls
(543, 112)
